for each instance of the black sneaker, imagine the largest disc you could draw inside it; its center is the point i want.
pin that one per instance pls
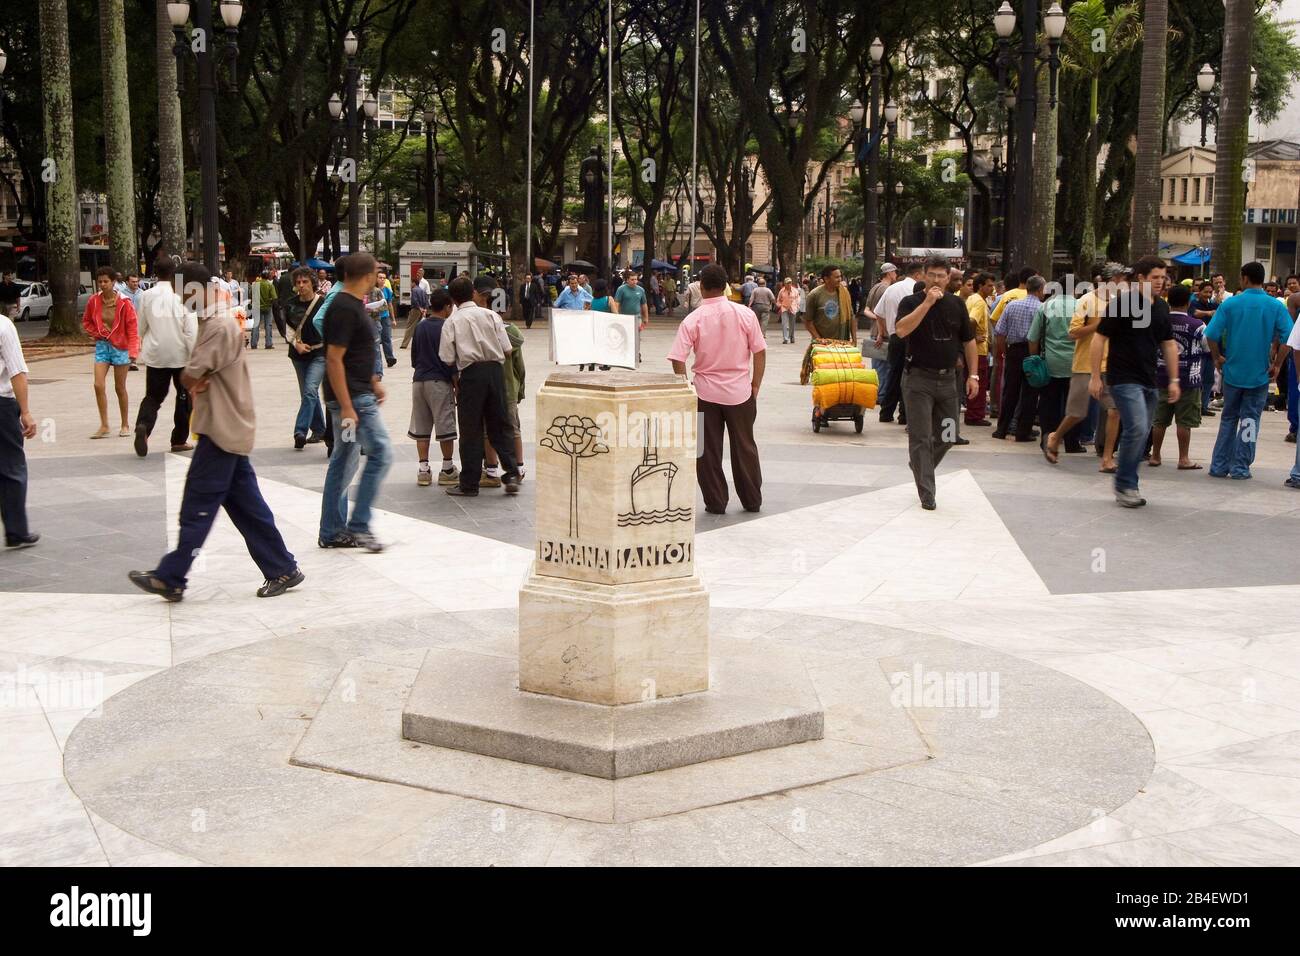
(150, 582)
(315, 438)
(1290, 483)
(299, 440)
(391, 362)
(364, 539)
(456, 491)
(511, 484)
(17, 541)
(928, 504)
(274, 587)
(343, 540)
(141, 441)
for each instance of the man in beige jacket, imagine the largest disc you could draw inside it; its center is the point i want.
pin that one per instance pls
(220, 475)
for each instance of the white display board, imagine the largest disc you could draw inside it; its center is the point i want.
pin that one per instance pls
(582, 337)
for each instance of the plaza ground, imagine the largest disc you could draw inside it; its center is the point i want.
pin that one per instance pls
(1161, 641)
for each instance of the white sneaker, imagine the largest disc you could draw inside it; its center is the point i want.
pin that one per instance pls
(1129, 498)
(449, 477)
(424, 477)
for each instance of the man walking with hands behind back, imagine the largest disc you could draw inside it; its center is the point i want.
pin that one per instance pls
(935, 328)
(220, 475)
(723, 335)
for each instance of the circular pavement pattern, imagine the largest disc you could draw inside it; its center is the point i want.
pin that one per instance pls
(196, 759)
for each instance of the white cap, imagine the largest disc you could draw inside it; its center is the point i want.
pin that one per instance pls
(887, 267)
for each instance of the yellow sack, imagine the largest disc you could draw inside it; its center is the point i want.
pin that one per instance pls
(825, 375)
(862, 394)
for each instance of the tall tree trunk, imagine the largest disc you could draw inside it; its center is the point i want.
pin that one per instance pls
(1150, 130)
(1042, 240)
(118, 166)
(59, 172)
(1088, 244)
(1231, 140)
(171, 170)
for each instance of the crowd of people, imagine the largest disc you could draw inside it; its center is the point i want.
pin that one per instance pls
(1110, 362)
(1113, 362)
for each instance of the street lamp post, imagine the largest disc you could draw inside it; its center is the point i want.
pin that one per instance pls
(1205, 81)
(891, 125)
(871, 208)
(231, 13)
(430, 227)
(350, 44)
(1004, 22)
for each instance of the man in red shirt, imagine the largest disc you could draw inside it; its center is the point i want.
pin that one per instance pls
(110, 320)
(723, 335)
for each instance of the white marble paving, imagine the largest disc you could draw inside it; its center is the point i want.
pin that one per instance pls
(1214, 674)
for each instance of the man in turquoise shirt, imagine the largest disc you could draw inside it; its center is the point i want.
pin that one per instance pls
(1254, 326)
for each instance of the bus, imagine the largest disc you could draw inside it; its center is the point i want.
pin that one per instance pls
(28, 261)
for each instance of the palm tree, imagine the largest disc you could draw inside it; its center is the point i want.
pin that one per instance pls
(171, 173)
(1150, 131)
(1093, 39)
(120, 178)
(59, 169)
(1230, 137)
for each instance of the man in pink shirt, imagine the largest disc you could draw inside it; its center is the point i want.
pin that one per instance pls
(723, 335)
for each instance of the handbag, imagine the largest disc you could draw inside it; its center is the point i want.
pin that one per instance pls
(1035, 366)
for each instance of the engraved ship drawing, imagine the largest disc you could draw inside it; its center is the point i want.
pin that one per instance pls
(651, 487)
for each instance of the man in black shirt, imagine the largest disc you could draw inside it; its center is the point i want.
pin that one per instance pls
(1136, 326)
(936, 329)
(353, 394)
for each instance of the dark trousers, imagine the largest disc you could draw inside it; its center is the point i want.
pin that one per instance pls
(481, 408)
(218, 479)
(13, 471)
(738, 422)
(156, 383)
(1013, 383)
(893, 396)
(933, 424)
(977, 408)
(1048, 403)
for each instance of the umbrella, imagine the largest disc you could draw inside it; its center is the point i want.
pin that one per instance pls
(766, 270)
(660, 264)
(581, 265)
(315, 264)
(543, 265)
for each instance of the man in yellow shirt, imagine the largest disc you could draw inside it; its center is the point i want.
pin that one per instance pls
(977, 307)
(1087, 316)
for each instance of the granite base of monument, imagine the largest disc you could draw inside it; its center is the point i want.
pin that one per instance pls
(467, 701)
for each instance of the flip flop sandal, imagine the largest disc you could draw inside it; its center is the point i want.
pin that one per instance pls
(1052, 457)
(124, 433)
(1153, 464)
(98, 435)
(1109, 471)
(1195, 466)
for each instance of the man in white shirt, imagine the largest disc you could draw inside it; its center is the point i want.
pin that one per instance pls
(167, 334)
(16, 423)
(891, 392)
(475, 341)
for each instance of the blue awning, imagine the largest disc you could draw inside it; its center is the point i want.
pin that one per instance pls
(1194, 257)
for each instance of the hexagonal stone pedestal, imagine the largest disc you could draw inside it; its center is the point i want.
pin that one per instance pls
(467, 701)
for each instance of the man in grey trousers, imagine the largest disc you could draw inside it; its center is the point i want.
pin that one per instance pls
(935, 328)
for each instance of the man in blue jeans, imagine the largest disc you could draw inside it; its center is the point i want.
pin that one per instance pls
(1136, 326)
(353, 394)
(1254, 326)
